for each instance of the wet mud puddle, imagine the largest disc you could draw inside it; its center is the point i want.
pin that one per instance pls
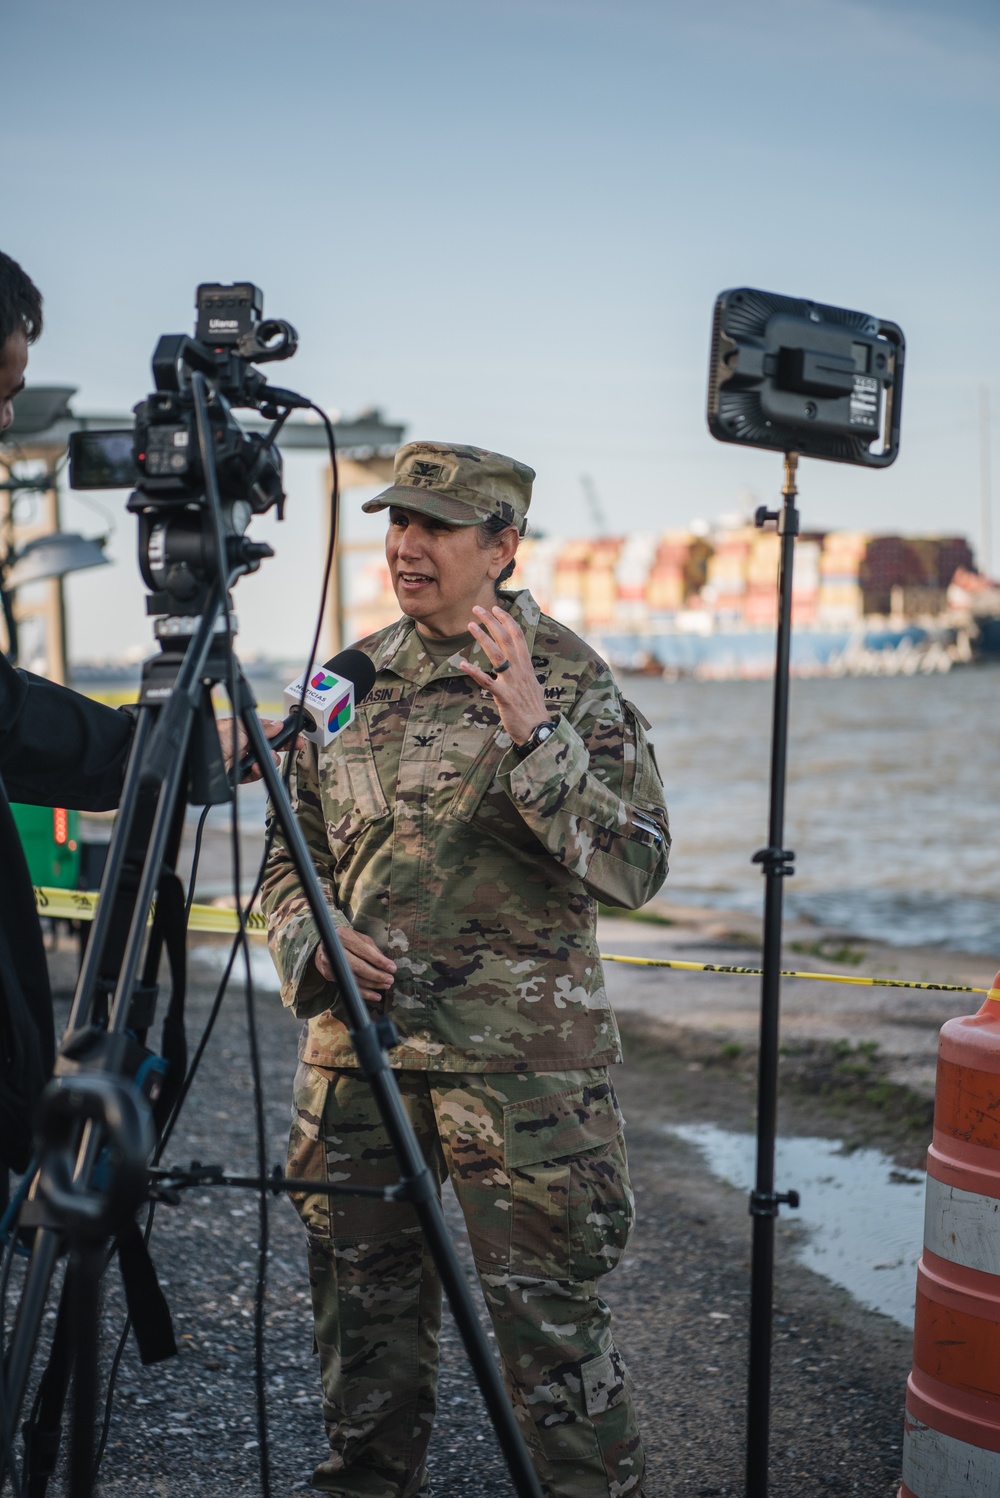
(262, 970)
(861, 1218)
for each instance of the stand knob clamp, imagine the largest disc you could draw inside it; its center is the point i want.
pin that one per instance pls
(766, 1203)
(777, 861)
(787, 520)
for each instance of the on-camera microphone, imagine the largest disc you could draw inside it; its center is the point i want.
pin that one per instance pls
(328, 696)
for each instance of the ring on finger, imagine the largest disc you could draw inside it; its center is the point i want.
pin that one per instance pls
(503, 666)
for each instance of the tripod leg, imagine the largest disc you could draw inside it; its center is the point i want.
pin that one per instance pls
(41, 1431)
(174, 693)
(127, 889)
(47, 1246)
(108, 915)
(43, 1428)
(86, 1264)
(163, 822)
(422, 1191)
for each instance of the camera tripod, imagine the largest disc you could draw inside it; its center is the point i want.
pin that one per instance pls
(101, 1114)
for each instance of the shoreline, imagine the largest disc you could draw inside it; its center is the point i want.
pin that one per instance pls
(857, 1063)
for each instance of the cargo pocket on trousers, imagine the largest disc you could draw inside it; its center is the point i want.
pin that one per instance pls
(606, 1382)
(306, 1158)
(571, 1202)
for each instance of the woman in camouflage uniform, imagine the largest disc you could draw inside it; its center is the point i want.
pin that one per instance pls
(493, 787)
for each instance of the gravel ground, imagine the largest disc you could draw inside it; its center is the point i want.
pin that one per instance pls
(680, 1299)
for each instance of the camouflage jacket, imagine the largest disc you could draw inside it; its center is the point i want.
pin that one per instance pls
(478, 872)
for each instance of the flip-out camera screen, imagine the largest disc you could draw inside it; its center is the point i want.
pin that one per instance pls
(102, 460)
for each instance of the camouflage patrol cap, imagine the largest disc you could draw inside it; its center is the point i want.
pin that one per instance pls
(462, 485)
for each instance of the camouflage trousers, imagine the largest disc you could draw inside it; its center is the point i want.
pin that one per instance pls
(538, 1164)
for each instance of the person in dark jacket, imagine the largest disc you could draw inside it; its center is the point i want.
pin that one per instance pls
(57, 748)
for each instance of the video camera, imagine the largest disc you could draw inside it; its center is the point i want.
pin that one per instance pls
(164, 454)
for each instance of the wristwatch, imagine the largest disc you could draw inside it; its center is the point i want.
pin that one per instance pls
(539, 734)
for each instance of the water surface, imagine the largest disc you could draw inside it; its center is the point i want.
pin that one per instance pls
(893, 799)
(893, 804)
(860, 1222)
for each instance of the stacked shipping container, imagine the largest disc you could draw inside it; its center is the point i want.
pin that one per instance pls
(841, 601)
(668, 584)
(760, 605)
(921, 566)
(634, 580)
(600, 583)
(726, 579)
(641, 583)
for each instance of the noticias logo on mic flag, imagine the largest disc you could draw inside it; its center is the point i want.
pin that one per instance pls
(328, 701)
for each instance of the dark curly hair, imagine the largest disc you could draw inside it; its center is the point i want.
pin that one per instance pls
(20, 302)
(487, 532)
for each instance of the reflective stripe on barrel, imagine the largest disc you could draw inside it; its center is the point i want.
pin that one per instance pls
(951, 1443)
(963, 1226)
(936, 1463)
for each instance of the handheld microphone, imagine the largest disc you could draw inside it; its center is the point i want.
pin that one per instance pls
(329, 695)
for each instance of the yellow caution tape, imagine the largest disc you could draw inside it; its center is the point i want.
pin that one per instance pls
(69, 904)
(79, 905)
(756, 972)
(216, 918)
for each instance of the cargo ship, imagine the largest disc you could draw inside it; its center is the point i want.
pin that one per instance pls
(703, 601)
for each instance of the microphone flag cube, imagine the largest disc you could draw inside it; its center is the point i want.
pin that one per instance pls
(328, 700)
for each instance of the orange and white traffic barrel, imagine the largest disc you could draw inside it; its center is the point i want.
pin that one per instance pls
(951, 1442)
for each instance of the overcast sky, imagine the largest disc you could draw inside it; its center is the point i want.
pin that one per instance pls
(505, 222)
